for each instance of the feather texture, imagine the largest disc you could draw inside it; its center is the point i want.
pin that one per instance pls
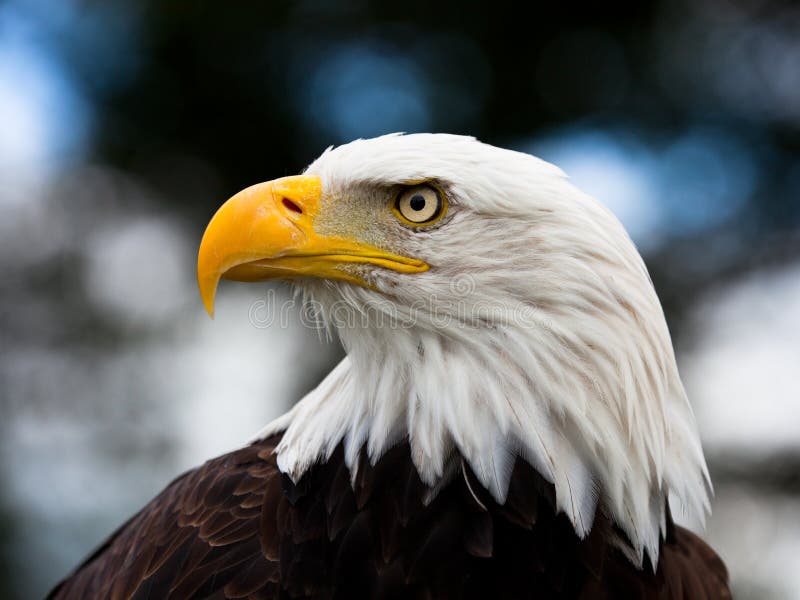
(237, 528)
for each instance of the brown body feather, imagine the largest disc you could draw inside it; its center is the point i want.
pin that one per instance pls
(237, 528)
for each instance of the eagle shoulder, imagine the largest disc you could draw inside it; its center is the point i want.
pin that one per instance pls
(203, 534)
(237, 528)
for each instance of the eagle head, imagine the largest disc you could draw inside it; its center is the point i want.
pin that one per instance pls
(491, 312)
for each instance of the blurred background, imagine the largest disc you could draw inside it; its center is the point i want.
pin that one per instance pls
(125, 124)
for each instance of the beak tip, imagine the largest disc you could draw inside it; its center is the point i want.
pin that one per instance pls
(209, 306)
(208, 292)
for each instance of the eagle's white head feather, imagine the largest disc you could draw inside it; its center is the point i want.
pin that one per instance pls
(536, 333)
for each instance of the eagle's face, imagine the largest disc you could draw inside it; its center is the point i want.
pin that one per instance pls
(489, 309)
(436, 231)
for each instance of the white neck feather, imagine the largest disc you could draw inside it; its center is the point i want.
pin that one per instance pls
(596, 414)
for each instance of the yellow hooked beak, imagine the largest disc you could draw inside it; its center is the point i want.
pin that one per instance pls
(267, 232)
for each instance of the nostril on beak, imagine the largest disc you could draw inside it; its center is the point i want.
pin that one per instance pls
(292, 206)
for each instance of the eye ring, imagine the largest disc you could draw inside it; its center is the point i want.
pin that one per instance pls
(420, 205)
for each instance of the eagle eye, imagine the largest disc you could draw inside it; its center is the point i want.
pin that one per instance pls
(420, 205)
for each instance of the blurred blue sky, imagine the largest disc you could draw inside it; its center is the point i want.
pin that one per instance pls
(45, 119)
(658, 184)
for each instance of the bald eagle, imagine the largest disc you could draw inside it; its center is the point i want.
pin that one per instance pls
(509, 421)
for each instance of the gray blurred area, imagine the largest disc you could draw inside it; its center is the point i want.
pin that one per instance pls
(125, 124)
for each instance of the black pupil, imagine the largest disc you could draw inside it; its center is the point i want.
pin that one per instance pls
(417, 202)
